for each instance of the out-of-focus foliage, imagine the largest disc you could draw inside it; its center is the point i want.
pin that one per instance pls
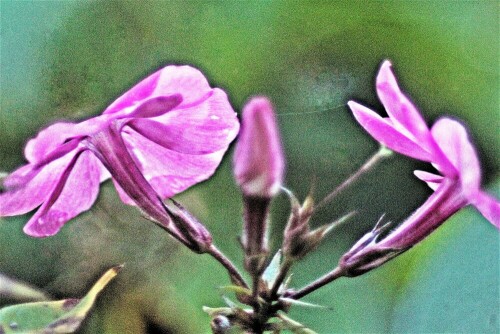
(69, 60)
(47, 317)
(15, 290)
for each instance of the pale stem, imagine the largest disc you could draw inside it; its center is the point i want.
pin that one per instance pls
(226, 263)
(381, 154)
(287, 264)
(320, 282)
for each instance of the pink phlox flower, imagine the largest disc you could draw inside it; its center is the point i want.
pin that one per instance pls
(174, 126)
(446, 145)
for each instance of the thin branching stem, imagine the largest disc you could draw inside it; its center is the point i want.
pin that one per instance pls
(382, 153)
(320, 282)
(285, 267)
(230, 267)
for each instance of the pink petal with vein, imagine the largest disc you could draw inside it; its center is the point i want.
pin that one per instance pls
(47, 140)
(488, 206)
(77, 195)
(20, 177)
(432, 180)
(201, 129)
(452, 138)
(182, 170)
(156, 106)
(167, 81)
(384, 131)
(57, 134)
(30, 195)
(405, 116)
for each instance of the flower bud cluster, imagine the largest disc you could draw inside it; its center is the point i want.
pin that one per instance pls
(133, 141)
(298, 239)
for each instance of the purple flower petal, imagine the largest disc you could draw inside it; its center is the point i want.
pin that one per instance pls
(384, 131)
(47, 140)
(181, 170)
(75, 192)
(404, 115)
(170, 80)
(174, 108)
(156, 106)
(488, 206)
(432, 180)
(200, 129)
(453, 140)
(50, 138)
(25, 174)
(20, 177)
(27, 197)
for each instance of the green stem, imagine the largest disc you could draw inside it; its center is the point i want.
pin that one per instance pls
(226, 263)
(320, 282)
(381, 154)
(285, 267)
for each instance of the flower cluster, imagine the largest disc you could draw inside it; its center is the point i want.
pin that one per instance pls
(170, 132)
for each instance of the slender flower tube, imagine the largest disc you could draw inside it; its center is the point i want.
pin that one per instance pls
(172, 128)
(258, 168)
(450, 151)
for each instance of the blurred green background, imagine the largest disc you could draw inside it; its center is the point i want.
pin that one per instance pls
(70, 59)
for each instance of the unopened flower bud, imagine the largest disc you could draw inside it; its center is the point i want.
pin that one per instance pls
(258, 159)
(198, 237)
(258, 169)
(367, 253)
(221, 324)
(297, 241)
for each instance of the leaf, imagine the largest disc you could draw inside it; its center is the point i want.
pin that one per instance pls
(214, 311)
(294, 326)
(13, 289)
(236, 289)
(285, 285)
(63, 316)
(229, 302)
(272, 270)
(301, 303)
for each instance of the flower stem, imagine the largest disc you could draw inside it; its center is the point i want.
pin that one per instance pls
(320, 282)
(226, 263)
(287, 264)
(381, 154)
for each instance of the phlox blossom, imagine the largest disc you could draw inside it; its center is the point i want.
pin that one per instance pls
(446, 145)
(170, 129)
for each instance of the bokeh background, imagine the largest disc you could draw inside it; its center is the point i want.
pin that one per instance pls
(70, 59)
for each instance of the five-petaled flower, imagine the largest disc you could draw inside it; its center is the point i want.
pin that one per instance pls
(446, 145)
(164, 135)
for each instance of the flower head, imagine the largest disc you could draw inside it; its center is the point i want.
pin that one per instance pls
(446, 145)
(172, 127)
